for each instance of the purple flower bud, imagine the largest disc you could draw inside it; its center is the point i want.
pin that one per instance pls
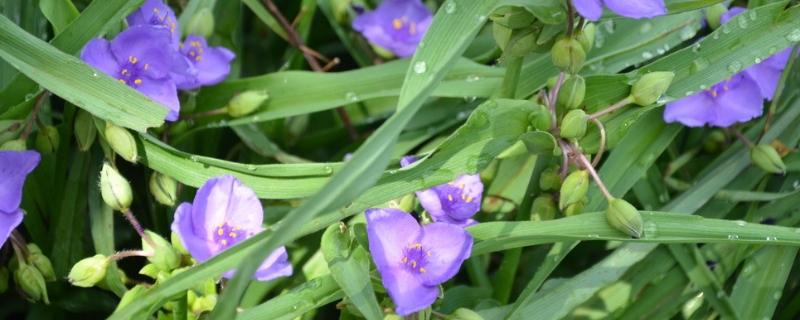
(413, 260)
(224, 213)
(396, 25)
(454, 202)
(14, 168)
(593, 9)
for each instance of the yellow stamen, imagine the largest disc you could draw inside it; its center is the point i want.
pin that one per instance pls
(413, 264)
(198, 58)
(429, 253)
(123, 81)
(412, 29)
(224, 242)
(137, 81)
(405, 260)
(238, 227)
(146, 66)
(449, 197)
(232, 235)
(397, 24)
(469, 199)
(463, 196)
(714, 94)
(191, 53)
(124, 71)
(156, 10)
(422, 270)
(461, 185)
(415, 246)
(132, 59)
(451, 183)
(725, 88)
(220, 232)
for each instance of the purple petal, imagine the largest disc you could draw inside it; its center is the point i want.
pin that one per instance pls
(738, 104)
(275, 266)
(693, 111)
(732, 12)
(405, 161)
(767, 74)
(429, 199)
(389, 231)
(162, 91)
(589, 9)
(194, 242)
(97, 53)
(449, 246)
(213, 63)
(224, 199)
(397, 25)
(14, 168)
(146, 46)
(458, 200)
(407, 292)
(156, 13)
(9, 221)
(637, 9)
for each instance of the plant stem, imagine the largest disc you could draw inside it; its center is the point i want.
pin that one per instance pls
(599, 154)
(551, 104)
(129, 253)
(588, 166)
(570, 18)
(612, 108)
(739, 135)
(35, 114)
(135, 223)
(508, 89)
(209, 113)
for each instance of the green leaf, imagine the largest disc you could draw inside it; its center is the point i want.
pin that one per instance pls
(59, 12)
(311, 295)
(349, 266)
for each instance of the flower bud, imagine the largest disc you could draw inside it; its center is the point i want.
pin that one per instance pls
(204, 303)
(10, 129)
(122, 141)
(115, 189)
(47, 140)
(714, 15)
(201, 23)
(521, 42)
(246, 102)
(3, 279)
(767, 158)
(464, 314)
(41, 262)
(573, 209)
(177, 244)
(14, 145)
(568, 55)
(651, 86)
(513, 17)
(624, 217)
(550, 179)
(541, 118)
(543, 208)
(31, 281)
(574, 188)
(165, 257)
(571, 94)
(132, 294)
(586, 36)
(85, 129)
(87, 272)
(574, 124)
(164, 188)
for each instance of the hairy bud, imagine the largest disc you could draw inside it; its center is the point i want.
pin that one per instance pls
(88, 272)
(116, 191)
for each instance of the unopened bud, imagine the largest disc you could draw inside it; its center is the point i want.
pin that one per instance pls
(165, 257)
(31, 281)
(122, 141)
(202, 24)
(651, 86)
(568, 55)
(624, 217)
(164, 188)
(204, 303)
(85, 129)
(540, 118)
(246, 102)
(14, 145)
(47, 140)
(521, 43)
(87, 272)
(714, 15)
(574, 188)
(767, 158)
(10, 129)
(574, 124)
(41, 262)
(586, 36)
(573, 209)
(543, 208)
(571, 94)
(550, 179)
(3, 279)
(116, 191)
(464, 314)
(512, 17)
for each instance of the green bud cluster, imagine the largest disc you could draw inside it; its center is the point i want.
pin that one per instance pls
(574, 124)
(165, 256)
(201, 23)
(41, 262)
(47, 140)
(651, 86)
(543, 208)
(14, 145)
(31, 281)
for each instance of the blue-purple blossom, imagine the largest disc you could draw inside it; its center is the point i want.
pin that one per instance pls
(454, 202)
(396, 25)
(224, 213)
(212, 63)
(593, 9)
(140, 57)
(767, 73)
(413, 260)
(157, 14)
(736, 99)
(14, 168)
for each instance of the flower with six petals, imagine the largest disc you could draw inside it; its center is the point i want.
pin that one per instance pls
(454, 202)
(396, 25)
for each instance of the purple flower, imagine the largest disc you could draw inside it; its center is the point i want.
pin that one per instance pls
(736, 99)
(593, 9)
(454, 202)
(140, 57)
(14, 167)
(396, 25)
(224, 213)
(767, 73)
(156, 13)
(212, 63)
(413, 260)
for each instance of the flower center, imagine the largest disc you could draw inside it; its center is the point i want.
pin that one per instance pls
(163, 20)
(415, 258)
(129, 74)
(195, 50)
(455, 197)
(403, 23)
(714, 89)
(228, 235)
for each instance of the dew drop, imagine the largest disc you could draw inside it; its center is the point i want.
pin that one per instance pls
(715, 36)
(461, 115)
(450, 7)
(594, 236)
(664, 197)
(392, 171)
(772, 239)
(472, 78)
(193, 158)
(647, 26)
(733, 237)
(470, 99)
(742, 20)
(698, 64)
(480, 18)
(351, 96)
(599, 40)
(664, 98)
(753, 15)
(650, 229)
(687, 33)
(251, 167)
(420, 67)
(94, 74)
(696, 47)
(609, 26)
(735, 67)
(703, 87)
(689, 93)
(725, 29)
(794, 35)
(328, 169)
(758, 60)
(777, 295)
(647, 55)
(740, 223)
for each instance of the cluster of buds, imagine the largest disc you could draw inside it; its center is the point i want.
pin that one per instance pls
(31, 269)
